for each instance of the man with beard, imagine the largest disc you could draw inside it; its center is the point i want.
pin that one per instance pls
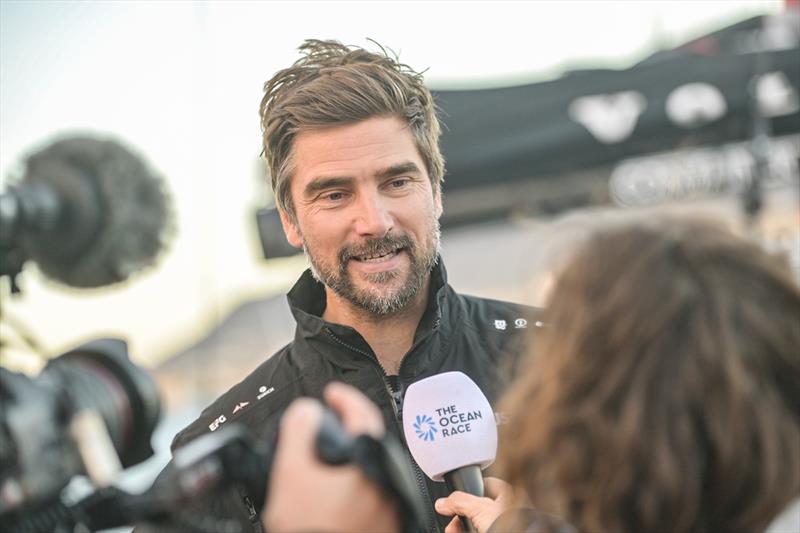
(351, 141)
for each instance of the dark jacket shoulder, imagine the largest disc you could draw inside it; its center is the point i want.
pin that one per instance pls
(500, 337)
(270, 387)
(499, 314)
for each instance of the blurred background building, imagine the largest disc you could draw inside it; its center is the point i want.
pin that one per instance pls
(559, 116)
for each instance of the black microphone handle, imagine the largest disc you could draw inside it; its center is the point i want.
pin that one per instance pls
(467, 479)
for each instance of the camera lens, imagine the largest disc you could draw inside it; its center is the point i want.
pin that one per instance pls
(99, 376)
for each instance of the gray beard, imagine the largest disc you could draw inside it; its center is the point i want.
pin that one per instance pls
(340, 281)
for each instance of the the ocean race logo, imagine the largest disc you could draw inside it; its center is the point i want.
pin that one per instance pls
(425, 428)
(451, 422)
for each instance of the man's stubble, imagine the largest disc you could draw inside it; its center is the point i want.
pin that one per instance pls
(379, 303)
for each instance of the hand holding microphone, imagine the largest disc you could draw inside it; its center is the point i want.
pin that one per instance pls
(482, 512)
(451, 432)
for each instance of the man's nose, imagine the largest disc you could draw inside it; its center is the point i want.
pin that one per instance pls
(373, 218)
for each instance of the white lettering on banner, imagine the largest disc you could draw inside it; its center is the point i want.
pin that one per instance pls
(775, 95)
(695, 104)
(610, 118)
(695, 172)
(500, 324)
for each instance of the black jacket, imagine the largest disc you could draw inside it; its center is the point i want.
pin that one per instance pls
(477, 336)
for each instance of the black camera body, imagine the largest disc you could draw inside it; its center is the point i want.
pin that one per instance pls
(40, 441)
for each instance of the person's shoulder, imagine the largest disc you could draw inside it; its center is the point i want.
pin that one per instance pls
(501, 329)
(257, 398)
(492, 337)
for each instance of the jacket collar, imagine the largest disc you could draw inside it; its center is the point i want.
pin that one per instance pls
(307, 302)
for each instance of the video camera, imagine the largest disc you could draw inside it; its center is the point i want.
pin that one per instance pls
(90, 411)
(89, 213)
(92, 405)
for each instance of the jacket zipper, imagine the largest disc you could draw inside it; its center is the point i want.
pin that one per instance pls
(396, 399)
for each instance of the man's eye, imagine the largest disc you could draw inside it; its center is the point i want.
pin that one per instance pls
(399, 183)
(333, 196)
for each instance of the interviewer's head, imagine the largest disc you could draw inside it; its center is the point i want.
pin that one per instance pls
(664, 393)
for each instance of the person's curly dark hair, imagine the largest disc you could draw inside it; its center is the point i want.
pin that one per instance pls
(664, 392)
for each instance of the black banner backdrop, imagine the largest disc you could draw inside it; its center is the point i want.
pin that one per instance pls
(707, 92)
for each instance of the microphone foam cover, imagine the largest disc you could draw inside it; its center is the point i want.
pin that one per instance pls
(448, 423)
(118, 216)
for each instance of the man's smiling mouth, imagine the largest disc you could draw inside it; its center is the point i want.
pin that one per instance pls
(377, 257)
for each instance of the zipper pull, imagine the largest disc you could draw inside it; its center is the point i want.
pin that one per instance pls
(397, 398)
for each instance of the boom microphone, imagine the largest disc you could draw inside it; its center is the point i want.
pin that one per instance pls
(87, 211)
(450, 430)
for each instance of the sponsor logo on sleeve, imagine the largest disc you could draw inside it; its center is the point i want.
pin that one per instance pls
(221, 419)
(264, 391)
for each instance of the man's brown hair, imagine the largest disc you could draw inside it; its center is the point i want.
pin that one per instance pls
(664, 392)
(334, 85)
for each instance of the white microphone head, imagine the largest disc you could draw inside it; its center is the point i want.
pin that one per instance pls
(448, 423)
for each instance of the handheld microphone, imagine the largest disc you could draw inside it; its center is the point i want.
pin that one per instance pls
(451, 431)
(87, 211)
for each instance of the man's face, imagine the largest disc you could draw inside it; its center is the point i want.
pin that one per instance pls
(366, 214)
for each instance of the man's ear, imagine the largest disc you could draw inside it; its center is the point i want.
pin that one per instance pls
(290, 229)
